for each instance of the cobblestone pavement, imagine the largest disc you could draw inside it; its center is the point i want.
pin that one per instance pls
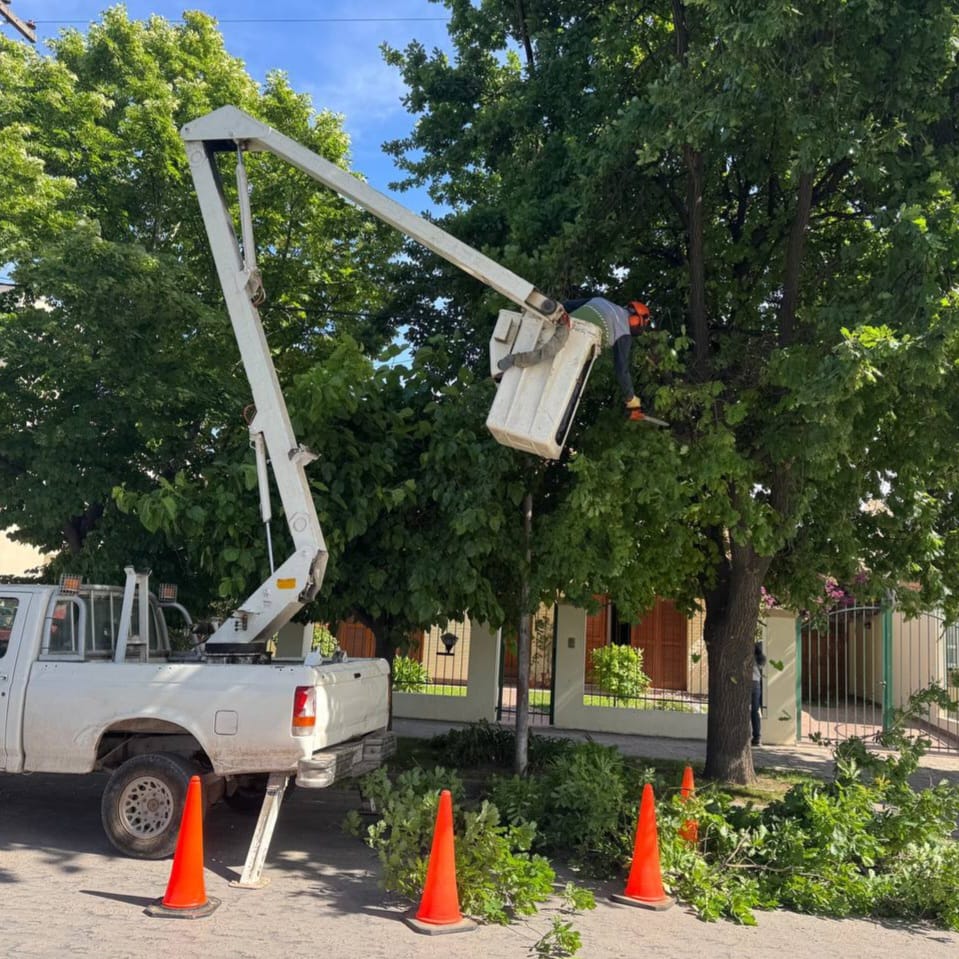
(65, 892)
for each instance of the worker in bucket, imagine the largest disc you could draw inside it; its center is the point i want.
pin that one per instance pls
(619, 324)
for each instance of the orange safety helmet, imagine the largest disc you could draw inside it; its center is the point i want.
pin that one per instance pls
(638, 316)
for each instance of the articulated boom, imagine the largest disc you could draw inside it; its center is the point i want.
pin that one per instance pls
(298, 578)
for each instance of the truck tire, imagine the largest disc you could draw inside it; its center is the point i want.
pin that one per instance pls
(142, 804)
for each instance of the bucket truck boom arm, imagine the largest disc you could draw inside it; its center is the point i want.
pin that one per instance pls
(297, 580)
(229, 128)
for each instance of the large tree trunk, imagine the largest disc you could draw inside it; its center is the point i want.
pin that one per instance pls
(732, 615)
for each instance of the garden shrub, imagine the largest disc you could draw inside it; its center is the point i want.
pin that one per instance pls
(323, 641)
(484, 744)
(409, 675)
(584, 804)
(619, 671)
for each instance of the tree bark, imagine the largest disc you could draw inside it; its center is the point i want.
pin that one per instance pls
(695, 181)
(794, 254)
(732, 615)
(523, 647)
(524, 33)
(695, 222)
(76, 528)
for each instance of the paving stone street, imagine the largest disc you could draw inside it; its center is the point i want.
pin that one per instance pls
(66, 892)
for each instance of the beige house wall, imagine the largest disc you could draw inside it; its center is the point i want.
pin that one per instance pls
(918, 655)
(864, 658)
(919, 659)
(697, 664)
(482, 651)
(443, 668)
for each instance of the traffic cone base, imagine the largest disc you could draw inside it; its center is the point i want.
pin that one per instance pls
(427, 928)
(644, 888)
(689, 831)
(186, 896)
(657, 905)
(167, 912)
(439, 908)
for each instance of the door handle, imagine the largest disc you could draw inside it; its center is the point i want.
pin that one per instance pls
(3, 677)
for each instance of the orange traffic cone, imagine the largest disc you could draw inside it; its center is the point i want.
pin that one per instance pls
(439, 910)
(186, 896)
(686, 790)
(645, 884)
(690, 828)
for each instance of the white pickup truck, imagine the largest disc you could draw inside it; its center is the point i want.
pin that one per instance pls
(79, 692)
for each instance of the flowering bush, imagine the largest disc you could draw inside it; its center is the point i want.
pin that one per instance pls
(833, 597)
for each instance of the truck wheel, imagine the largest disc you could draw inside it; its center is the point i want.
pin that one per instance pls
(143, 803)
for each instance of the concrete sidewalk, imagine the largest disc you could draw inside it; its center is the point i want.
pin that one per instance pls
(805, 757)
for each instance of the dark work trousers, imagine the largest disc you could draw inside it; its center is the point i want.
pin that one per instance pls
(621, 351)
(754, 714)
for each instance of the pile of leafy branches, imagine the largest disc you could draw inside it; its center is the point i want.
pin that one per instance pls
(865, 844)
(584, 804)
(498, 878)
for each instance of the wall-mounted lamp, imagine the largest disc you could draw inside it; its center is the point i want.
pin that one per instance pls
(449, 640)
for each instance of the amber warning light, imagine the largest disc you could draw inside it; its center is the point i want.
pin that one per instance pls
(166, 592)
(70, 583)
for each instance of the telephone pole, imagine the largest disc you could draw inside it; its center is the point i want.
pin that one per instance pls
(27, 27)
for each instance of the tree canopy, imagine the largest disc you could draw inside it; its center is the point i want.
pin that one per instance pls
(777, 181)
(122, 431)
(119, 363)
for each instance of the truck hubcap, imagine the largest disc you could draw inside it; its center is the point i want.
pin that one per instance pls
(146, 807)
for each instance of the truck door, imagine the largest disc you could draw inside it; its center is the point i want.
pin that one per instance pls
(14, 605)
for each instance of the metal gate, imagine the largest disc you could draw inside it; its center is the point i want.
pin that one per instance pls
(541, 671)
(863, 664)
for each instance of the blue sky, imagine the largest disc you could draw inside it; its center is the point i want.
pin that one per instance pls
(332, 53)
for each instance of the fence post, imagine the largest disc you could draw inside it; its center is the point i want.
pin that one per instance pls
(552, 666)
(887, 677)
(779, 686)
(798, 678)
(569, 671)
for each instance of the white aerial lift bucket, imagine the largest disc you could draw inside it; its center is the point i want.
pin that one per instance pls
(534, 405)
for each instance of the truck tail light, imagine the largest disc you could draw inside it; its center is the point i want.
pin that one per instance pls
(304, 711)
